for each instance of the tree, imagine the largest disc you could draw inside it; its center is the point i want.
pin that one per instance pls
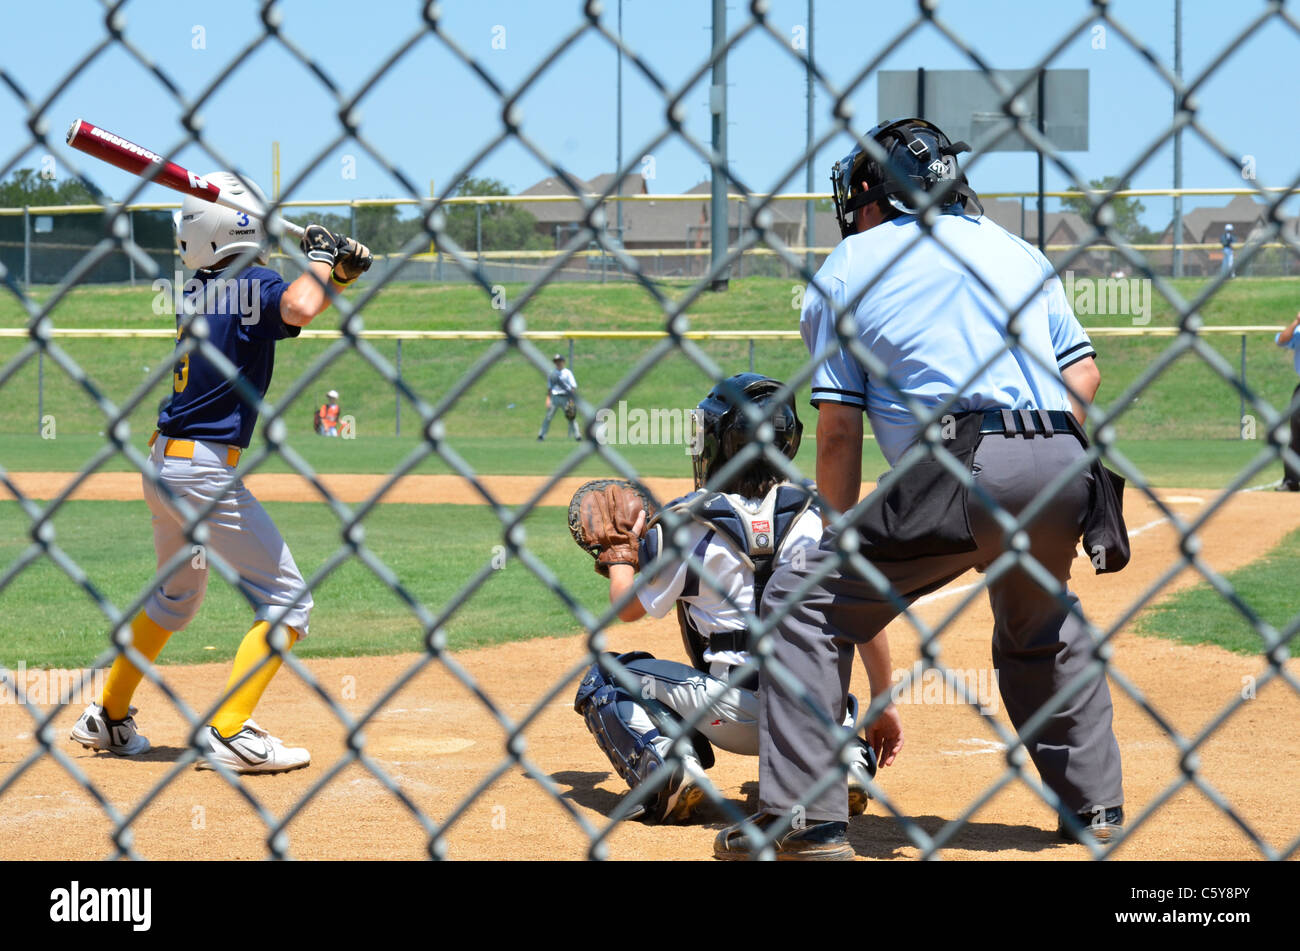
(1127, 211)
(28, 187)
(506, 226)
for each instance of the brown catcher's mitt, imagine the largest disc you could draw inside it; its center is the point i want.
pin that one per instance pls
(602, 514)
(570, 410)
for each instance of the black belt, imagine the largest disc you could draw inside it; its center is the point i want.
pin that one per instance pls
(1027, 422)
(729, 640)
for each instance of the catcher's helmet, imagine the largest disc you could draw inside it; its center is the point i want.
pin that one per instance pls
(206, 233)
(918, 158)
(724, 427)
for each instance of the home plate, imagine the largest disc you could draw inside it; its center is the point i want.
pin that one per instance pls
(979, 748)
(1181, 500)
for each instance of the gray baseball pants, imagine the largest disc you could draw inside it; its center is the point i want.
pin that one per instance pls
(1038, 646)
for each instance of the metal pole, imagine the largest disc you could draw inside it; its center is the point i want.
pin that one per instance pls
(1241, 418)
(718, 106)
(810, 208)
(397, 388)
(27, 249)
(1042, 127)
(1178, 141)
(570, 354)
(40, 390)
(751, 354)
(920, 92)
(478, 231)
(618, 159)
(130, 259)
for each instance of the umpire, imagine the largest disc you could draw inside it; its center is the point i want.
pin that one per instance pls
(960, 313)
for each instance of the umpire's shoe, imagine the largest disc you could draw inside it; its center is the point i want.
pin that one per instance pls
(1104, 828)
(818, 842)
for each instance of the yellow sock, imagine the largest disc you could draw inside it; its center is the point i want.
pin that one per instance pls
(123, 677)
(238, 707)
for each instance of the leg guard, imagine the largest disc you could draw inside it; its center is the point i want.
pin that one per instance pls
(627, 735)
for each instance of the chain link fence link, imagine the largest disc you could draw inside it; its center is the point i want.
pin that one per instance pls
(115, 237)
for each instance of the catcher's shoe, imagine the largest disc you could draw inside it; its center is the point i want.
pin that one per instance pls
(251, 750)
(862, 769)
(95, 731)
(676, 802)
(817, 842)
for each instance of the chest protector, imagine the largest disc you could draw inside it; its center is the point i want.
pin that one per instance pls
(756, 531)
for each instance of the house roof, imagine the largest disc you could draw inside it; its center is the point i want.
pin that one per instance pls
(1205, 225)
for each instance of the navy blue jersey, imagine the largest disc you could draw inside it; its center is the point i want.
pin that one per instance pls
(243, 315)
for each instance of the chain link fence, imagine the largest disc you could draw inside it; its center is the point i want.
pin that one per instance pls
(356, 547)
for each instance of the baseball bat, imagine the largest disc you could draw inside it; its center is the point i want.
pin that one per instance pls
(138, 160)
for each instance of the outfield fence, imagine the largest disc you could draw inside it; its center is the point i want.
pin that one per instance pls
(436, 824)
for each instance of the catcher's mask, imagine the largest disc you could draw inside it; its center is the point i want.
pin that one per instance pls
(724, 427)
(919, 158)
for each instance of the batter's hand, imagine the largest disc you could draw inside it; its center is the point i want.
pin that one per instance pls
(885, 735)
(320, 244)
(354, 259)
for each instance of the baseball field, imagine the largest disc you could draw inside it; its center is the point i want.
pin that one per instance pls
(512, 648)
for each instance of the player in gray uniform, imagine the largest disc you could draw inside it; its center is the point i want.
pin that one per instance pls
(737, 536)
(930, 309)
(561, 390)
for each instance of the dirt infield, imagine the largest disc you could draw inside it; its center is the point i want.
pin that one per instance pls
(438, 742)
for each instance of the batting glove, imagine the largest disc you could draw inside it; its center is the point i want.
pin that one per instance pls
(354, 259)
(320, 244)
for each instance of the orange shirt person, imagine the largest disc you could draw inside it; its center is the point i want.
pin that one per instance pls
(327, 416)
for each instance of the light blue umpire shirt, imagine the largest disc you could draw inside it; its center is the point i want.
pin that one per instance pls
(934, 324)
(1293, 345)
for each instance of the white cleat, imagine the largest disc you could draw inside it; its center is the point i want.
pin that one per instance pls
(95, 731)
(251, 750)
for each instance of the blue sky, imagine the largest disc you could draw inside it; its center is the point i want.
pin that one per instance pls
(429, 114)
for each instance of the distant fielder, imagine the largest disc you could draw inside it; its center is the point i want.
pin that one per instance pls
(202, 429)
(561, 393)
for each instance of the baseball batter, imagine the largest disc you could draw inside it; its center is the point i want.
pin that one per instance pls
(933, 302)
(737, 532)
(244, 308)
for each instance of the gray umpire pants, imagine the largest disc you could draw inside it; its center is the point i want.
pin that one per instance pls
(1289, 475)
(1038, 646)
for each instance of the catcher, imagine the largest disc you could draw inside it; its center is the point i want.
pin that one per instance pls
(739, 535)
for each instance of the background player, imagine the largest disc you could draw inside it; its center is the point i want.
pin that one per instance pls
(326, 422)
(202, 429)
(561, 391)
(739, 532)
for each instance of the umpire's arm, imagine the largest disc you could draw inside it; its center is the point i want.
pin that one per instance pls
(1084, 379)
(839, 454)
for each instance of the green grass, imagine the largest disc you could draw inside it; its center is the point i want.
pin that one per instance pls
(433, 549)
(1200, 615)
(495, 420)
